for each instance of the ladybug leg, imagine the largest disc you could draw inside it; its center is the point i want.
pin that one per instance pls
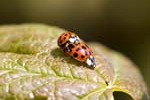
(67, 50)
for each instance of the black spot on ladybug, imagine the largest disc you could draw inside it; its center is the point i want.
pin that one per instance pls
(82, 56)
(64, 38)
(83, 47)
(75, 55)
(71, 46)
(66, 34)
(77, 49)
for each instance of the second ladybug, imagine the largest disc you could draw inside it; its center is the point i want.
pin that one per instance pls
(82, 53)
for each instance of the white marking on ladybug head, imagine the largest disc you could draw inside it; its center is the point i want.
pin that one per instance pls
(91, 62)
(72, 39)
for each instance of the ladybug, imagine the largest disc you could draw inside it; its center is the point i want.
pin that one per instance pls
(67, 38)
(82, 53)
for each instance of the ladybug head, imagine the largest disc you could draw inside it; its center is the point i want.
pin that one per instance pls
(91, 62)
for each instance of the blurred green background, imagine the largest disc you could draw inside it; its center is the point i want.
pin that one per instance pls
(123, 25)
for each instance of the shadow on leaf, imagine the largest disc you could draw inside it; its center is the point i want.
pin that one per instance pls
(58, 53)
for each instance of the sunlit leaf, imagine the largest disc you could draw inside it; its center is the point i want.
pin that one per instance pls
(32, 66)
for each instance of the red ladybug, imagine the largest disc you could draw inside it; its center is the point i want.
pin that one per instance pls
(81, 52)
(67, 38)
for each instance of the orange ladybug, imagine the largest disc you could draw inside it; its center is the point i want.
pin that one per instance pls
(82, 53)
(67, 38)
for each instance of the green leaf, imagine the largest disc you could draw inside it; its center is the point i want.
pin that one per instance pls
(32, 66)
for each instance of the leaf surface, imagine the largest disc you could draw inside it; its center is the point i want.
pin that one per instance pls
(33, 67)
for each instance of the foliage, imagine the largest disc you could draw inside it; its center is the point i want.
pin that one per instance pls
(33, 67)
